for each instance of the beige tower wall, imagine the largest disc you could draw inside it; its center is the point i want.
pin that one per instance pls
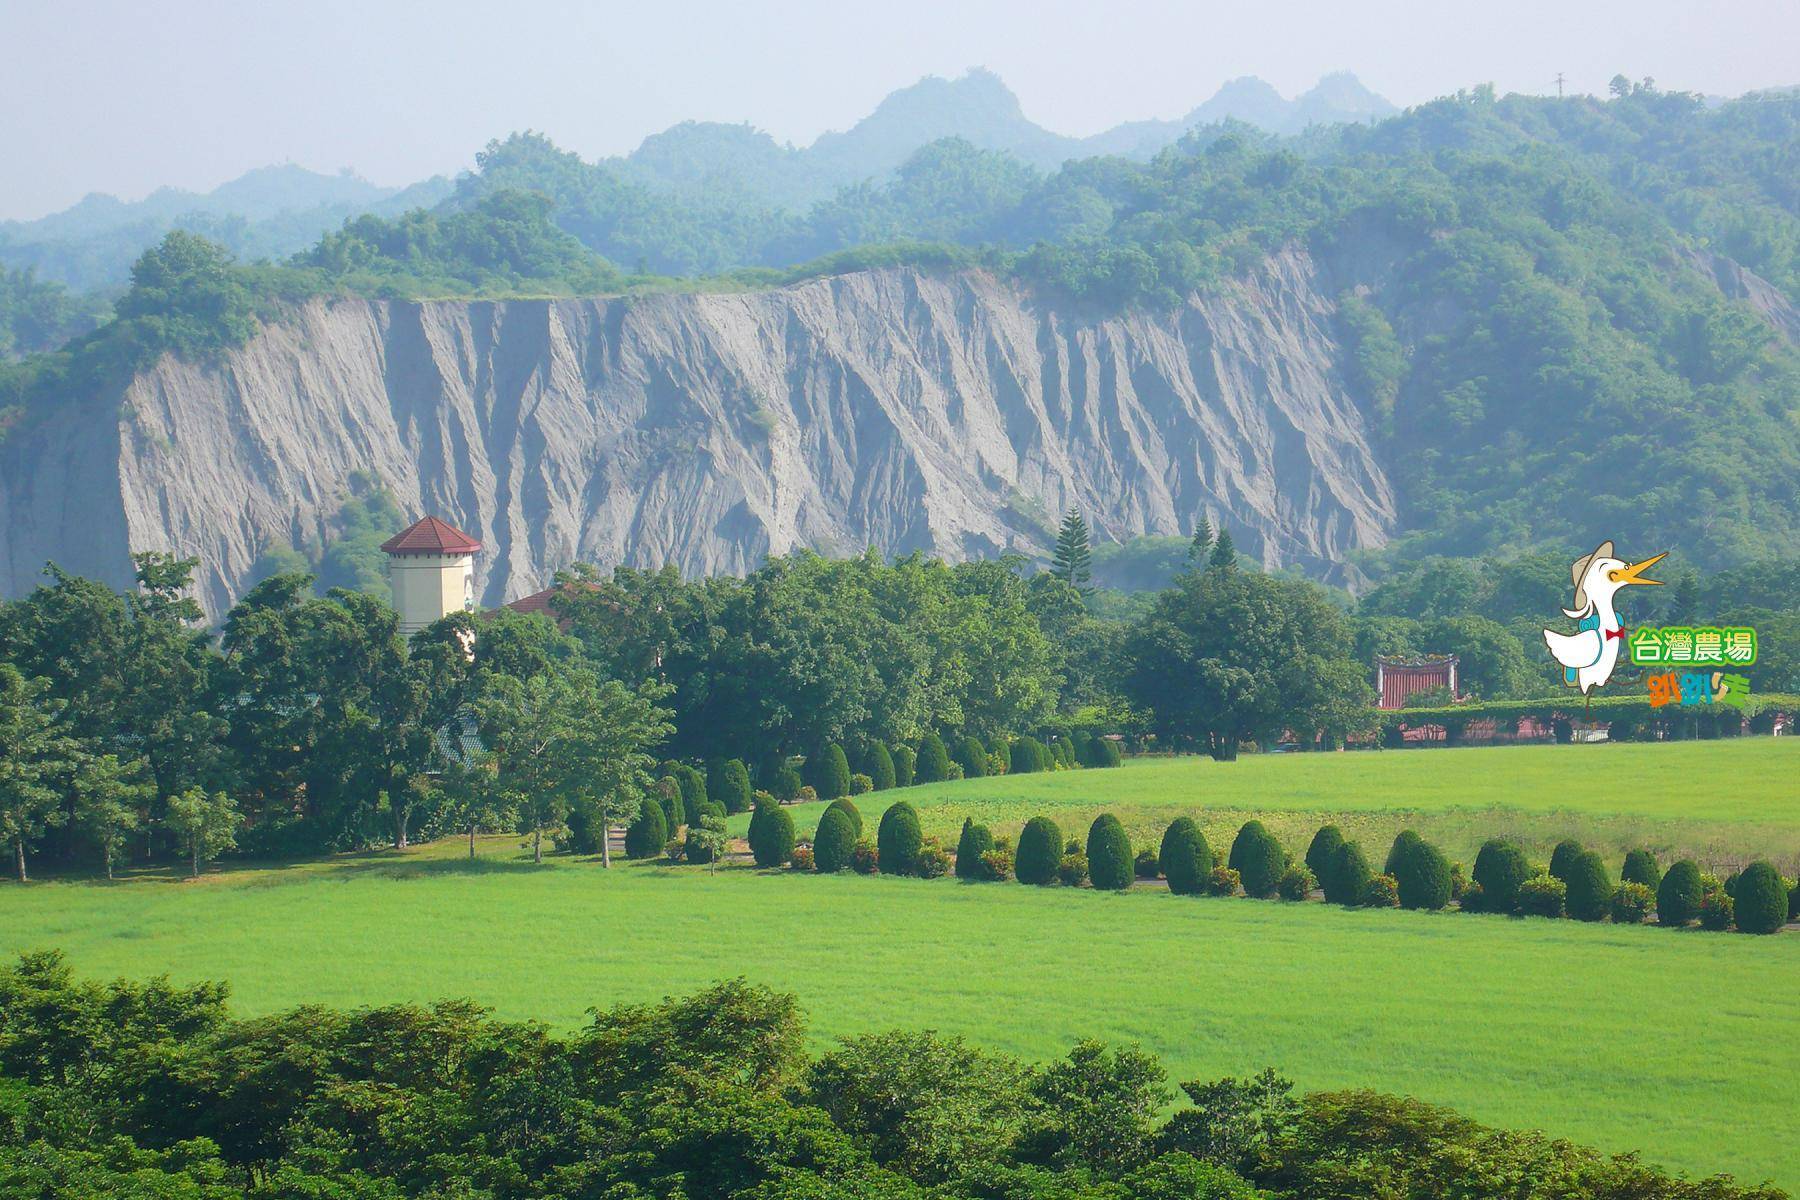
(429, 587)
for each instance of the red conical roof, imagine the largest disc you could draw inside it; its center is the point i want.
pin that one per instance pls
(431, 536)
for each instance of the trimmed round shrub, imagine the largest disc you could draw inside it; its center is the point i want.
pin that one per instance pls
(1640, 867)
(865, 859)
(705, 808)
(829, 772)
(932, 764)
(694, 850)
(1029, 756)
(645, 837)
(1761, 899)
(1423, 877)
(1223, 881)
(1185, 857)
(976, 840)
(1296, 883)
(1109, 854)
(933, 860)
(1147, 864)
(806, 795)
(668, 795)
(905, 765)
(1403, 845)
(1072, 871)
(1794, 901)
(834, 841)
(1679, 894)
(1382, 892)
(1040, 850)
(1062, 751)
(771, 835)
(878, 765)
(972, 755)
(1631, 903)
(692, 784)
(1717, 909)
(1107, 752)
(1500, 870)
(1542, 896)
(1001, 753)
(1259, 860)
(848, 807)
(728, 785)
(861, 785)
(785, 785)
(897, 840)
(1562, 859)
(1348, 878)
(1324, 845)
(1590, 889)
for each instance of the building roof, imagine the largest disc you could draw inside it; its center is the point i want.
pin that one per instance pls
(429, 535)
(539, 602)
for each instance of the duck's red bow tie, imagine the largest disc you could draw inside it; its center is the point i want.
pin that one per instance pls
(1616, 633)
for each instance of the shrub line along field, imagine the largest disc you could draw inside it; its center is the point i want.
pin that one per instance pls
(1632, 1038)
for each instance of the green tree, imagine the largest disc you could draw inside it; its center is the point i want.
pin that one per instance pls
(1040, 851)
(646, 836)
(834, 841)
(110, 800)
(932, 764)
(1073, 562)
(1679, 895)
(828, 770)
(878, 765)
(1258, 858)
(771, 835)
(206, 824)
(728, 785)
(1761, 899)
(1202, 541)
(897, 840)
(1224, 552)
(33, 753)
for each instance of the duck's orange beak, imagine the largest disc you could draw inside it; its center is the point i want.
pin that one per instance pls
(1631, 574)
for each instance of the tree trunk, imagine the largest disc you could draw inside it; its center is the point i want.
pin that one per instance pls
(400, 816)
(108, 851)
(537, 843)
(196, 858)
(605, 846)
(471, 839)
(21, 845)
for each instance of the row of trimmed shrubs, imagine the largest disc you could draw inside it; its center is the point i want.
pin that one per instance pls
(828, 774)
(1415, 875)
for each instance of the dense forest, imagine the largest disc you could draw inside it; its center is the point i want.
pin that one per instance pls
(132, 1090)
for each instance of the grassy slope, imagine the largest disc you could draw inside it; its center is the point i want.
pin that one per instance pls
(1678, 1044)
(1722, 801)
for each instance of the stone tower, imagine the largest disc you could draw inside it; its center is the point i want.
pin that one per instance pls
(431, 566)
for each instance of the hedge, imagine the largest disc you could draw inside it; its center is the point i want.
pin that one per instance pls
(835, 841)
(1109, 855)
(1501, 870)
(1422, 877)
(1324, 845)
(1258, 859)
(1542, 896)
(932, 764)
(905, 765)
(829, 772)
(1347, 879)
(976, 840)
(1761, 899)
(646, 836)
(973, 757)
(1040, 850)
(668, 793)
(692, 784)
(771, 835)
(1562, 859)
(878, 765)
(1403, 844)
(1590, 889)
(897, 840)
(1185, 857)
(1679, 894)
(1640, 867)
(728, 785)
(848, 807)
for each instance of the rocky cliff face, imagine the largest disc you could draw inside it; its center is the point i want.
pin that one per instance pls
(893, 409)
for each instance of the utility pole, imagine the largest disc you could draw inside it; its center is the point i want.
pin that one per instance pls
(1559, 85)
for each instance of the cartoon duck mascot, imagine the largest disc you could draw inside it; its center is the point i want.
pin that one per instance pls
(1589, 655)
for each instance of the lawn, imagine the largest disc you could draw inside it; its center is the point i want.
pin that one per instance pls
(1723, 802)
(1677, 1044)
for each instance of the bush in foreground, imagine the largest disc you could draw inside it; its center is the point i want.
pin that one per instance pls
(771, 834)
(1296, 884)
(1717, 908)
(1761, 901)
(1109, 854)
(848, 807)
(1562, 859)
(1259, 860)
(1631, 904)
(997, 864)
(932, 861)
(1640, 867)
(828, 770)
(1423, 877)
(1147, 864)
(897, 840)
(878, 765)
(1040, 850)
(646, 836)
(1223, 882)
(1678, 896)
(932, 762)
(1501, 870)
(976, 840)
(835, 841)
(1324, 845)
(1382, 892)
(865, 859)
(1589, 888)
(1072, 870)
(905, 766)
(1185, 858)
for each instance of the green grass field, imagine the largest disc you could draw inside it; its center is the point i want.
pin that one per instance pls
(1722, 802)
(1678, 1044)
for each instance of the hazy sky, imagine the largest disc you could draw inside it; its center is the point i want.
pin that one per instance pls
(125, 96)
